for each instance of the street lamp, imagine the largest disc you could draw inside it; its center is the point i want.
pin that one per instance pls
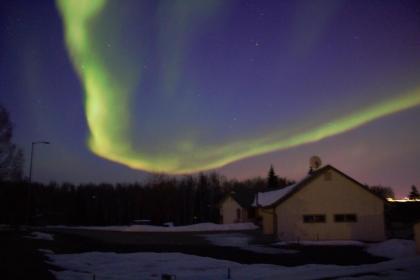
(32, 156)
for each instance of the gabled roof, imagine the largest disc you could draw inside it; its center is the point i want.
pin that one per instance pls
(269, 197)
(243, 197)
(273, 198)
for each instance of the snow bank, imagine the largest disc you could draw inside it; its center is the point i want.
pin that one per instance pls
(41, 236)
(393, 248)
(113, 266)
(189, 228)
(324, 243)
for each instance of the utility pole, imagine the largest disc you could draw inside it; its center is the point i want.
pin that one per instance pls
(32, 156)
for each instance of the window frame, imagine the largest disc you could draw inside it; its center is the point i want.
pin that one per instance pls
(314, 218)
(345, 218)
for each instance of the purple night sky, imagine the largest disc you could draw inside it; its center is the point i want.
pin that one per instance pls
(240, 70)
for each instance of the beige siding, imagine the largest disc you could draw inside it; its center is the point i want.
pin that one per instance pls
(338, 195)
(267, 219)
(228, 211)
(417, 237)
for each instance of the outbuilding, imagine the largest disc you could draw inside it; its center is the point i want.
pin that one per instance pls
(236, 207)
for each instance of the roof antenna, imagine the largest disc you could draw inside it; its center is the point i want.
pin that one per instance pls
(314, 163)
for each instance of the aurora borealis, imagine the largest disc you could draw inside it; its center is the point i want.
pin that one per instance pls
(188, 86)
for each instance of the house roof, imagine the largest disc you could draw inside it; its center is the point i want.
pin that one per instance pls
(269, 197)
(273, 198)
(244, 197)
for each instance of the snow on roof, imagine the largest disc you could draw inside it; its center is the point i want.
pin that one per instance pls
(267, 198)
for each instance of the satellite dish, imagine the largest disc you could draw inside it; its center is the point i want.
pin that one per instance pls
(315, 162)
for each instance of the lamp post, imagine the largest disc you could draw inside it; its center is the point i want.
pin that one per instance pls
(32, 156)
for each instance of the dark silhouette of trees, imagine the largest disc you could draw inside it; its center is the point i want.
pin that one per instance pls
(273, 181)
(414, 193)
(385, 192)
(272, 178)
(283, 182)
(180, 200)
(161, 199)
(11, 157)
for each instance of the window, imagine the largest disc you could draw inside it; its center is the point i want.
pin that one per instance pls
(314, 218)
(345, 218)
(238, 214)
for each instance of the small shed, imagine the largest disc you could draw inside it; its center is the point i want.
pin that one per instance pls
(236, 207)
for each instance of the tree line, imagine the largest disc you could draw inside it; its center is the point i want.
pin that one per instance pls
(11, 156)
(180, 200)
(161, 199)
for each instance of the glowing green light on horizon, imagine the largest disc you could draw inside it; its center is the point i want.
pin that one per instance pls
(107, 101)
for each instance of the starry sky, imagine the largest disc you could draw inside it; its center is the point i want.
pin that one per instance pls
(123, 88)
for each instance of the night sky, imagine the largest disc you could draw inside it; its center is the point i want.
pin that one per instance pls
(234, 86)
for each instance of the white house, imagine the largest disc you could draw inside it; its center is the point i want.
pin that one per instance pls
(236, 207)
(325, 205)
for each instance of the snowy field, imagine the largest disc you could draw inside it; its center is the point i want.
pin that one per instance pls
(404, 265)
(148, 228)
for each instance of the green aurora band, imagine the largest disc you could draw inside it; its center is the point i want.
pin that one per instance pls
(107, 99)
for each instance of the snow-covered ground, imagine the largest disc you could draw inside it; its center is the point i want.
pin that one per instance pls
(393, 248)
(324, 243)
(111, 266)
(40, 236)
(46, 251)
(243, 241)
(189, 228)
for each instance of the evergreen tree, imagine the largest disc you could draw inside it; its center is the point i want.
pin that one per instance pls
(11, 157)
(385, 192)
(414, 194)
(272, 178)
